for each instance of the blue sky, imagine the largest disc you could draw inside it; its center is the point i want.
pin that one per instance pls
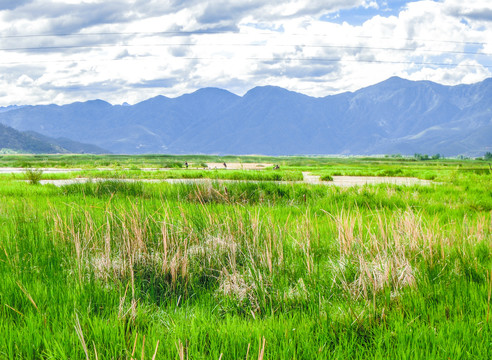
(60, 51)
(360, 14)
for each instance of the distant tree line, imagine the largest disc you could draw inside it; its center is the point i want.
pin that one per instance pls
(487, 157)
(424, 157)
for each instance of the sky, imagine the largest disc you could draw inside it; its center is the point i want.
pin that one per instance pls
(62, 51)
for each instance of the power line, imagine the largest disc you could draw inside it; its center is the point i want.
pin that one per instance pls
(275, 59)
(262, 59)
(219, 32)
(333, 46)
(181, 33)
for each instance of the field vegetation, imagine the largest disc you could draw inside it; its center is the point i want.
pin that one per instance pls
(222, 174)
(246, 269)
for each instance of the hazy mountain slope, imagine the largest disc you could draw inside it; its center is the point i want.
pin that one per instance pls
(9, 108)
(261, 122)
(163, 121)
(70, 146)
(25, 143)
(395, 116)
(32, 142)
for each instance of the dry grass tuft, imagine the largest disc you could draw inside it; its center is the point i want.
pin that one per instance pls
(296, 293)
(234, 286)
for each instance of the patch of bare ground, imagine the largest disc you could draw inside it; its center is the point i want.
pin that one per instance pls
(240, 166)
(343, 181)
(372, 180)
(363, 180)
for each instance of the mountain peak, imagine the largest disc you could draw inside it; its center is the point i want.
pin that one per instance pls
(91, 103)
(395, 81)
(154, 100)
(269, 90)
(211, 90)
(209, 93)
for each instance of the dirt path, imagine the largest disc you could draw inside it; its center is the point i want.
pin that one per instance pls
(372, 180)
(12, 170)
(363, 180)
(239, 166)
(308, 178)
(343, 181)
(311, 179)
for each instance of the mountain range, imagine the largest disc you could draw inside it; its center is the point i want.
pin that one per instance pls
(30, 142)
(394, 116)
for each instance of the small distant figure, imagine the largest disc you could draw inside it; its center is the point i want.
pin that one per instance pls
(225, 165)
(186, 164)
(276, 167)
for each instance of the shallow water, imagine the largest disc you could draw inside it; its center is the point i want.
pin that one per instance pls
(344, 181)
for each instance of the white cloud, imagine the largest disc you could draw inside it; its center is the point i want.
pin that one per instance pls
(466, 72)
(136, 49)
(24, 80)
(478, 10)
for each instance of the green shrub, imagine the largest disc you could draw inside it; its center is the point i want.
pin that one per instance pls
(34, 176)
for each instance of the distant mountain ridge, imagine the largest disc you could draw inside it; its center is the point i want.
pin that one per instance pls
(32, 142)
(9, 108)
(11, 139)
(394, 116)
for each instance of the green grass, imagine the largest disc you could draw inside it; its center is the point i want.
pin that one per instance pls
(249, 269)
(252, 175)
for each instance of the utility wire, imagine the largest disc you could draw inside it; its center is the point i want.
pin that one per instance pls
(273, 59)
(176, 33)
(333, 46)
(219, 32)
(260, 59)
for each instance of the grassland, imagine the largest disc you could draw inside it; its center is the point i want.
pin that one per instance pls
(251, 270)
